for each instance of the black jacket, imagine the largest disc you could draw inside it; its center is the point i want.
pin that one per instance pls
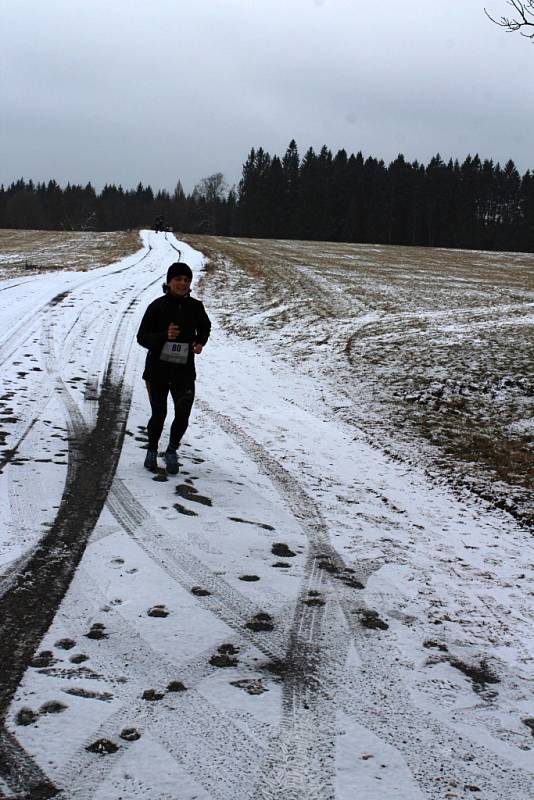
(194, 326)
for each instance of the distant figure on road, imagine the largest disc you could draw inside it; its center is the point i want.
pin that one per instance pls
(159, 224)
(174, 328)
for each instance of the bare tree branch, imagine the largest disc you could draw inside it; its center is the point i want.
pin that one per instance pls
(523, 18)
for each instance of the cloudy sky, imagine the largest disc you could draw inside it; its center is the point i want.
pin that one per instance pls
(159, 90)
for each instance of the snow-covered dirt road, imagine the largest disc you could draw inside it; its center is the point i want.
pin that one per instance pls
(294, 616)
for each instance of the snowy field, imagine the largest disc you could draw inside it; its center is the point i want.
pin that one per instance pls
(297, 615)
(428, 351)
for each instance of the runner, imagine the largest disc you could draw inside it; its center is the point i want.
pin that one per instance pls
(174, 329)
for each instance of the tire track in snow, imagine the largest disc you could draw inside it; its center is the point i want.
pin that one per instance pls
(300, 762)
(53, 561)
(95, 452)
(177, 721)
(38, 318)
(18, 772)
(31, 322)
(306, 632)
(230, 606)
(50, 566)
(422, 740)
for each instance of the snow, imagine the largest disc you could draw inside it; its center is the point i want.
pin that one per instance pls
(319, 707)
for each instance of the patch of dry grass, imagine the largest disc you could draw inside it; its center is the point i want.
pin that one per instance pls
(27, 252)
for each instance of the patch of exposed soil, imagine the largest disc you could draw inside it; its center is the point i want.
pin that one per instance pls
(25, 716)
(372, 620)
(52, 707)
(43, 659)
(97, 631)
(481, 674)
(343, 574)
(152, 695)
(65, 644)
(314, 601)
(251, 522)
(199, 591)
(102, 747)
(254, 687)
(190, 493)
(281, 550)
(81, 692)
(431, 644)
(183, 510)
(176, 686)
(158, 611)
(130, 734)
(261, 622)
(79, 658)
(225, 656)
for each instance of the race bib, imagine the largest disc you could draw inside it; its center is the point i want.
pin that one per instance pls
(175, 352)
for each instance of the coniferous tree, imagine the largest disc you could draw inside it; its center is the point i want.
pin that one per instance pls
(526, 238)
(346, 198)
(290, 171)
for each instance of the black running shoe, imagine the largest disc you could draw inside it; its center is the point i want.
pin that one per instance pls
(151, 460)
(171, 461)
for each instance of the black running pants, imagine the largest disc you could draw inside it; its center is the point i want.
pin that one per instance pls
(182, 394)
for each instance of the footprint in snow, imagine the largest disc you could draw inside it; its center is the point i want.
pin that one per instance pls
(262, 525)
(282, 550)
(76, 691)
(176, 686)
(130, 734)
(314, 599)
(65, 644)
(98, 631)
(152, 695)
(260, 622)
(158, 611)
(372, 620)
(52, 707)
(225, 657)
(78, 659)
(43, 659)
(183, 510)
(250, 686)
(190, 493)
(102, 747)
(26, 716)
(198, 591)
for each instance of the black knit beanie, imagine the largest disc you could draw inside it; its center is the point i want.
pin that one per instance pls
(179, 268)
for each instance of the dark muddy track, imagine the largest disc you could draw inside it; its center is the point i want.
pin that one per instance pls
(51, 564)
(93, 458)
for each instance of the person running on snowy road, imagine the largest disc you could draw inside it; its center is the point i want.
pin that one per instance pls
(174, 329)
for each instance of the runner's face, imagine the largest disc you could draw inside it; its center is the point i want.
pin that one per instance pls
(179, 285)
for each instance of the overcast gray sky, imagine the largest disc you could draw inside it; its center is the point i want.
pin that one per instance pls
(159, 90)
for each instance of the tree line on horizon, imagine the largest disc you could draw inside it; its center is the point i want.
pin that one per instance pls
(474, 204)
